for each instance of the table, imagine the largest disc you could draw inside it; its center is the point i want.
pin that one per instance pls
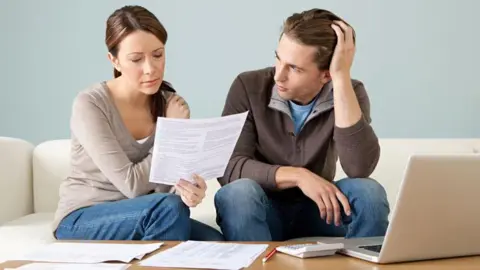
(283, 261)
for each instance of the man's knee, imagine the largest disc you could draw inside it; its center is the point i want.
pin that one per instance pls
(239, 202)
(242, 208)
(369, 204)
(365, 191)
(239, 193)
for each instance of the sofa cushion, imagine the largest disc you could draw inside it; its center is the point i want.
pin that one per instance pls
(51, 164)
(24, 235)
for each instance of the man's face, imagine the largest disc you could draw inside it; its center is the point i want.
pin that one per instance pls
(296, 74)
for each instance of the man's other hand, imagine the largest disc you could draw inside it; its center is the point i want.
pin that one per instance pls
(326, 195)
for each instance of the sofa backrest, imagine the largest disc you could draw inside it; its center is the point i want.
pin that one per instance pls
(51, 166)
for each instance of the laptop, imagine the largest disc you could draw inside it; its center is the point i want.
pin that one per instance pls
(437, 214)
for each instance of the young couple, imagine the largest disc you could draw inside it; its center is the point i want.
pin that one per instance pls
(304, 113)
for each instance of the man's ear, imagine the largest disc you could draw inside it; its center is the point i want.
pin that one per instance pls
(114, 62)
(325, 77)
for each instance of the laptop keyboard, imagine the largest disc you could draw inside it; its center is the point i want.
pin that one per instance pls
(374, 248)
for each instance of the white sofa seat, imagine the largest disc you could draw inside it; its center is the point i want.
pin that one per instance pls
(30, 177)
(24, 234)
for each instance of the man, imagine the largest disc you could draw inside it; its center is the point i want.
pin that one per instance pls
(303, 114)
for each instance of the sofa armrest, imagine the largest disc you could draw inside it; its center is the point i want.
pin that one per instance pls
(16, 192)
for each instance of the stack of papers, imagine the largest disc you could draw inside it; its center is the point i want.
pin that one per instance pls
(90, 252)
(71, 266)
(211, 255)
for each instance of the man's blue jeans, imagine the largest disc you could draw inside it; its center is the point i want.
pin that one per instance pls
(157, 216)
(246, 213)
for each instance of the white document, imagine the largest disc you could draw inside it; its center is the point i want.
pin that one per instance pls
(73, 266)
(184, 147)
(90, 252)
(211, 255)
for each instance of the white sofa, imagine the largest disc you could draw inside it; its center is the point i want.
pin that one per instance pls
(30, 176)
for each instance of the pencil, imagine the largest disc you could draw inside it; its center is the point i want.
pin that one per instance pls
(269, 255)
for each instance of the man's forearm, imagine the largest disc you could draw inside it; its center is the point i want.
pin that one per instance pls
(268, 176)
(347, 107)
(246, 167)
(356, 142)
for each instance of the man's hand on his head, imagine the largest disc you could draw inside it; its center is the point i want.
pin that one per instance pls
(344, 52)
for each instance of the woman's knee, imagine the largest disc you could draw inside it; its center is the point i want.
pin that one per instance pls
(167, 219)
(172, 204)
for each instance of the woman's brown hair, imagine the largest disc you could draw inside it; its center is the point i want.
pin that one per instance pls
(126, 20)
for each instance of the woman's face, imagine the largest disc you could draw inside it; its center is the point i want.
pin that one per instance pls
(141, 60)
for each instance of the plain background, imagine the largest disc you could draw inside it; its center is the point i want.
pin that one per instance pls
(418, 58)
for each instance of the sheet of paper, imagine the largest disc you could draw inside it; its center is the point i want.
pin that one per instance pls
(184, 147)
(73, 266)
(90, 252)
(210, 255)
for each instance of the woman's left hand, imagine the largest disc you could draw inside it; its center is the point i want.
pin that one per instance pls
(192, 194)
(177, 107)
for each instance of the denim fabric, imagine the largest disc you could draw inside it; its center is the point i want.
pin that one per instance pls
(246, 213)
(157, 216)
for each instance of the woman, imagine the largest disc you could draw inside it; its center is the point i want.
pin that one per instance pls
(107, 195)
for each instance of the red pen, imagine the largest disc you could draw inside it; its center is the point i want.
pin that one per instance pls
(269, 255)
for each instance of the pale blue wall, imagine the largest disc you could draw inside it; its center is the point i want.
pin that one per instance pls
(418, 58)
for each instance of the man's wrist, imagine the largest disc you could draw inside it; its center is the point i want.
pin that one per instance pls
(341, 78)
(288, 176)
(300, 175)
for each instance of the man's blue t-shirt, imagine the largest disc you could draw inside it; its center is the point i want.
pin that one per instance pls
(300, 113)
